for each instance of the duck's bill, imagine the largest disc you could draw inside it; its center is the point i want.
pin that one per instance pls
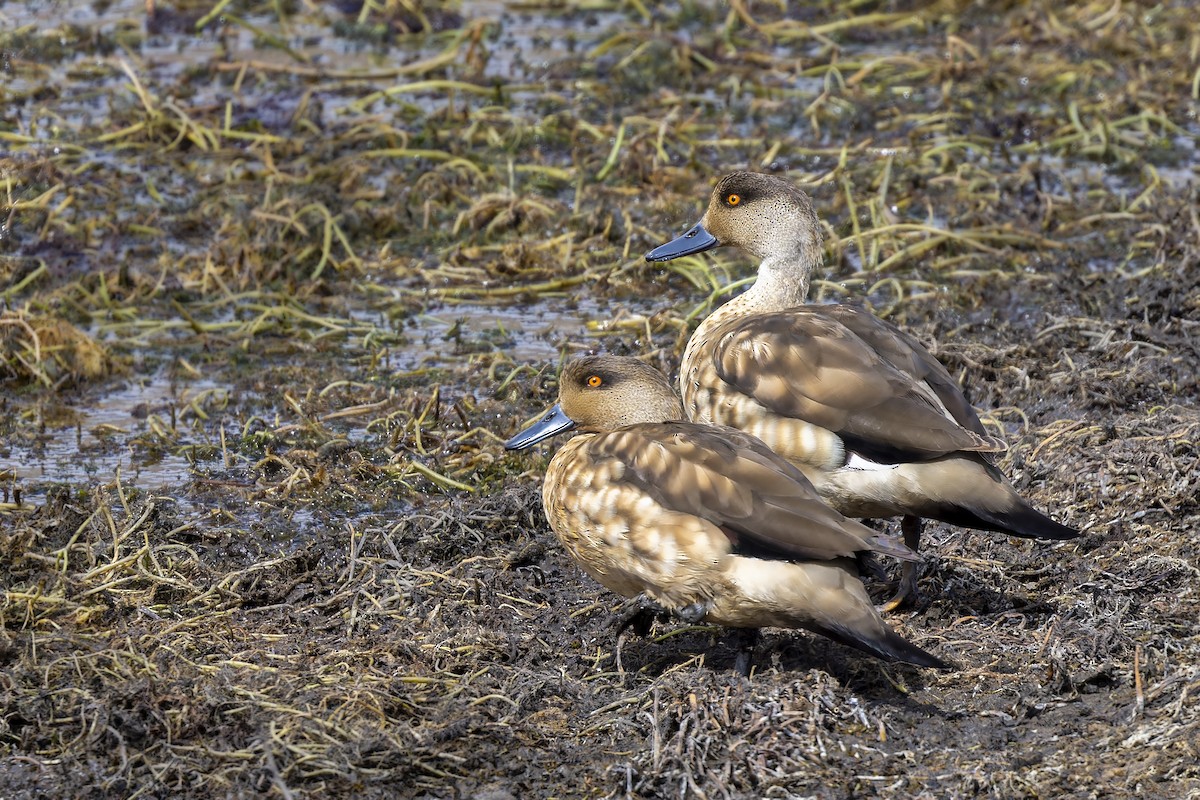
(552, 422)
(696, 240)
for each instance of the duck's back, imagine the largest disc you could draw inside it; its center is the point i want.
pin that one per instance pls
(904, 352)
(816, 382)
(662, 507)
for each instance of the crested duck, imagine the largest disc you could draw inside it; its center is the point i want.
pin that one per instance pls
(705, 521)
(862, 408)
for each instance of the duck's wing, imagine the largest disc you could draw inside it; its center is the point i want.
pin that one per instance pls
(904, 352)
(804, 364)
(764, 505)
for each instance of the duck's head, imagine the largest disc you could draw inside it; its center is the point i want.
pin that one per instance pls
(765, 216)
(601, 393)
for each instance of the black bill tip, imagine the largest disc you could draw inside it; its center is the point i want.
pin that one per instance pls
(696, 240)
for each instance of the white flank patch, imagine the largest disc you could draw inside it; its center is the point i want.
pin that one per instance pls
(858, 462)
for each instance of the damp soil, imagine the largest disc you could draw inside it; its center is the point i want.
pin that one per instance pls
(278, 280)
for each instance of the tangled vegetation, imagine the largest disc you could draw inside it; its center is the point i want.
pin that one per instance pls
(279, 277)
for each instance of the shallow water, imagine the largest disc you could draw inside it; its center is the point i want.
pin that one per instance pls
(352, 592)
(542, 60)
(89, 450)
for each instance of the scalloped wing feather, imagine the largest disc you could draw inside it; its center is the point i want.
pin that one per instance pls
(736, 482)
(803, 365)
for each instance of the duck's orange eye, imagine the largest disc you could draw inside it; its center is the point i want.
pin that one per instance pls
(595, 381)
(733, 199)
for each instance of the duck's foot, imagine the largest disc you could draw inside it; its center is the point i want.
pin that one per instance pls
(745, 640)
(639, 616)
(907, 590)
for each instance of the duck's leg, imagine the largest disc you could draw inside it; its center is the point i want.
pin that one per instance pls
(641, 617)
(640, 613)
(868, 564)
(745, 640)
(911, 527)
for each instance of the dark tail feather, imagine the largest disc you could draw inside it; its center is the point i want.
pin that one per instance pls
(868, 564)
(1024, 520)
(1027, 521)
(890, 646)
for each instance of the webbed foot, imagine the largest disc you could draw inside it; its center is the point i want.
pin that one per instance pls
(642, 616)
(905, 591)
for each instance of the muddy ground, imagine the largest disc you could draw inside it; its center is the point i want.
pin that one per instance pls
(279, 279)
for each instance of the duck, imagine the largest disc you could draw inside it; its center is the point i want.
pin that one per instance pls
(703, 521)
(861, 407)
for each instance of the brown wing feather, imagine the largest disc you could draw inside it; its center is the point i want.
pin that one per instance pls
(736, 482)
(905, 353)
(806, 365)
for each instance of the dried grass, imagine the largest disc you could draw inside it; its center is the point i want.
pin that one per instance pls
(349, 589)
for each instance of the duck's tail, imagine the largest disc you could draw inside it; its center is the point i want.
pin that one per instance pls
(1022, 520)
(968, 491)
(884, 643)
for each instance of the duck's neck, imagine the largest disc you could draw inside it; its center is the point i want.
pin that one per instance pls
(782, 283)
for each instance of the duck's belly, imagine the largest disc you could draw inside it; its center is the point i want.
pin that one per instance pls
(786, 594)
(857, 490)
(862, 488)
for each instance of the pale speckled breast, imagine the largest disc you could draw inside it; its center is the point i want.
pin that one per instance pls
(625, 539)
(708, 398)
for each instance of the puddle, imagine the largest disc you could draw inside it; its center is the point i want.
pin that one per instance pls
(527, 334)
(530, 44)
(527, 51)
(87, 449)
(94, 438)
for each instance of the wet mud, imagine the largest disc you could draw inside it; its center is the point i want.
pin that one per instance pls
(280, 278)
